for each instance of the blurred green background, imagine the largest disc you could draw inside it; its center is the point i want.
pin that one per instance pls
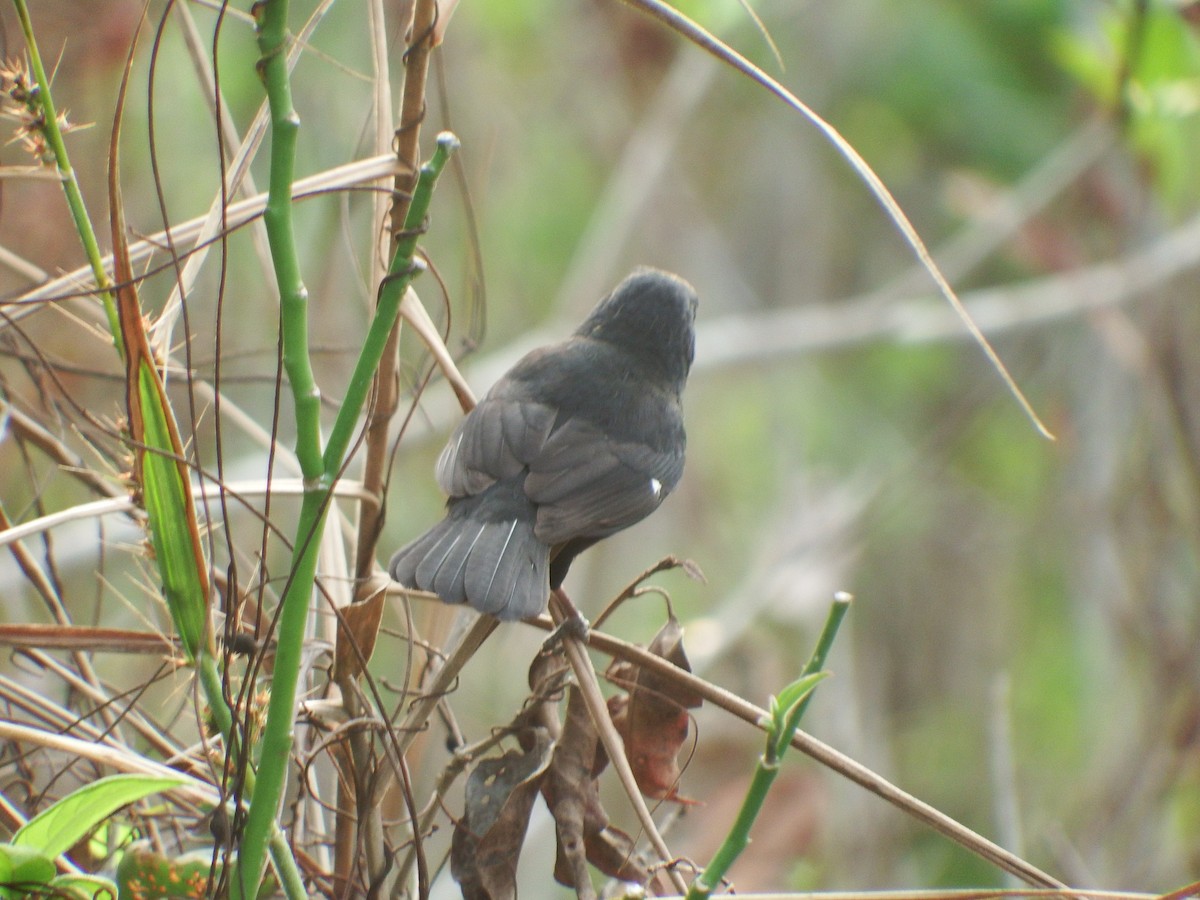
(1022, 648)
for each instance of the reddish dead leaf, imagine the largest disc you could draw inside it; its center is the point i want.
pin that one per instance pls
(653, 718)
(487, 840)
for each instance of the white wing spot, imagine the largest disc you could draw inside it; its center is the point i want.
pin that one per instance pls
(655, 486)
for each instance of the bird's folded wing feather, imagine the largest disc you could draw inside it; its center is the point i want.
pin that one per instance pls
(587, 484)
(496, 440)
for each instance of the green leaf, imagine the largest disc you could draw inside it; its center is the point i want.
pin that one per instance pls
(23, 866)
(85, 887)
(167, 506)
(794, 694)
(145, 874)
(57, 829)
(788, 708)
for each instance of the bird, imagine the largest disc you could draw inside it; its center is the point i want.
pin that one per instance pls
(577, 441)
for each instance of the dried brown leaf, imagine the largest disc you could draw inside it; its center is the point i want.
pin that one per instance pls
(360, 628)
(487, 839)
(572, 794)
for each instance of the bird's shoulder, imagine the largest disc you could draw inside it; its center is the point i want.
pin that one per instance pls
(598, 384)
(579, 396)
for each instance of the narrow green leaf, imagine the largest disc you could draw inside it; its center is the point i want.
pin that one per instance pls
(57, 829)
(166, 499)
(794, 693)
(792, 702)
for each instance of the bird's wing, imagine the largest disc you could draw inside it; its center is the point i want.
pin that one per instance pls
(495, 440)
(586, 484)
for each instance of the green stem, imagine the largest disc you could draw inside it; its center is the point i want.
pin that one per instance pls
(276, 747)
(210, 681)
(391, 292)
(816, 663)
(277, 218)
(293, 619)
(319, 469)
(277, 734)
(738, 837)
(54, 137)
(290, 879)
(786, 711)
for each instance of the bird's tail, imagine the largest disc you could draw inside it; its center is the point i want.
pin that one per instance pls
(499, 567)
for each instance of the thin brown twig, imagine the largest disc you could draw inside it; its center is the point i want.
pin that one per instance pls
(386, 394)
(693, 32)
(827, 756)
(28, 429)
(561, 609)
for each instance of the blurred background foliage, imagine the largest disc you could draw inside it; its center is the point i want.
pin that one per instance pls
(1021, 652)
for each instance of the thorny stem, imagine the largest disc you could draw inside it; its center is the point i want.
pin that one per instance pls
(53, 133)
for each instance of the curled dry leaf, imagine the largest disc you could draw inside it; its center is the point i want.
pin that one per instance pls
(563, 760)
(653, 717)
(487, 839)
(360, 628)
(573, 797)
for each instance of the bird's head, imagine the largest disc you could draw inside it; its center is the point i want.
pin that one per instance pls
(651, 316)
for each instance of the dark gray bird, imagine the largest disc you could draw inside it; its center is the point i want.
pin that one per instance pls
(578, 441)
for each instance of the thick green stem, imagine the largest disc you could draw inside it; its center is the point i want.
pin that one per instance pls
(210, 681)
(278, 734)
(738, 837)
(276, 747)
(277, 217)
(319, 468)
(290, 879)
(391, 292)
